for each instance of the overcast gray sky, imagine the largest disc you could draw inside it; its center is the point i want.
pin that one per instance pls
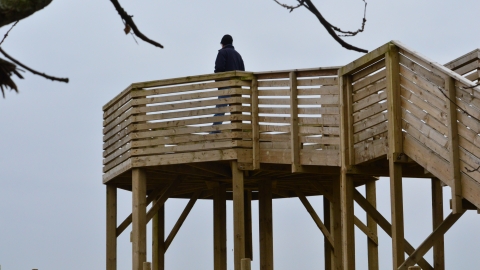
(51, 195)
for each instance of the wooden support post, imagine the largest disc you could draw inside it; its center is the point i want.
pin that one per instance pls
(158, 240)
(346, 180)
(337, 226)
(238, 215)
(372, 247)
(219, 228)
(414, 268)
(395, 143)
(437, 219)
(454, 148)
(386, 226)
(265, 224)
(255, 125)
(139, 218)
(294, 136)
(181, 219)
(246, 264)
(147, 266)
(430, 240)
(248, 224)
(328, 250)
(111, 228)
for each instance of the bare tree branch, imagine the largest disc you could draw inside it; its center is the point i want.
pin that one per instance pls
(33, 71)
(328, 26)
(129, 21)
(7, 69)
(6, 35)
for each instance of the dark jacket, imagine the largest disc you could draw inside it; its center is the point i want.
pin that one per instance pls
(228, 59)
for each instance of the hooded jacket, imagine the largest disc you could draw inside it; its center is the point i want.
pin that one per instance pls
(228, 59)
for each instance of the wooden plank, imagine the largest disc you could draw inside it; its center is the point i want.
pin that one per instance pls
(426, 96)
(188, 130)
(193, 79)
(372, 247)
(386, 226)
(308, 72)
(370, 111)
(437, 219)
(294, 128)
(315, 216)
(323, 100)
(425, 158)
(318, 81)
(371, 79)
(419, 70)
(364, 61)
(464, 59)
(337, 224)
(190, 148)
(248, 224)
(369, 122)
(430, 240)
(409, 99)
(421, 82)
(158, 242)
(454, 148)
(471, 189)
(368, 70)
(122, 112)
(330, 120)
(371, 132)
(328, 249)
(182, 218)
(369, 90)
(348, 239)
(255, 125)
(321, 110)
(365, 230)
(427, 131)
(370, 100)
(116, 171)
(219, 228)
(432, 145)
(157, 141)
(468, 67)
(111, 224)
(238, 215)
(265, 225)
(139, 222)
(370, 150)
(201, 156)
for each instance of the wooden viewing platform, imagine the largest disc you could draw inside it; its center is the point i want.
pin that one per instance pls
(296, 133)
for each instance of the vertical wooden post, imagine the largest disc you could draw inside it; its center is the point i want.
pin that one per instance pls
(346, 180)
(111, 227)
(158, 240)
(294, 129)
(371, 194)
(219, 228)
(246, 264)
(265, 225)
(337, 226)
(328, 223)
(248, 224)
(255, 125)
(139, 218)
(395, 143)
(437, 219)
(147, 266)
(454, 148)
(238, 215)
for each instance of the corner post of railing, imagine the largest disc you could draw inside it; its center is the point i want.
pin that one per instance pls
(347, 249)
(454, 148)
(255, 124)
(294, 128)
(395, 151)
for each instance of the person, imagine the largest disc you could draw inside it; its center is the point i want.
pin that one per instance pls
(228, 59)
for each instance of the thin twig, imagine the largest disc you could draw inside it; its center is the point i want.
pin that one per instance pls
(331, 29)
(458, 106)
(129, 21)
(474, 170)
(6, 35)
(471, 87)
(33, 71)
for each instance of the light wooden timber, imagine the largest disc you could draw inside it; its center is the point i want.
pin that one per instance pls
(238, 215)
(430, 240)
(181, 219)
(454, 147)
(365, 230)
(369, 90)
(463, 60)
(437, 219)
(139, 221)
(163, 198)
(158, 240)
(111, 218)
(265, 225)
(394, 153)
(372, 246)
(329, 256)
(369, 80)
(368, 70)
(294, 128)
(246, 264)
(315, 217)
(385, 225)
(336, 227)
(364, 61)
(147, 266)
(309, 72)
(255, 124)
(219, 228)
(248, 224)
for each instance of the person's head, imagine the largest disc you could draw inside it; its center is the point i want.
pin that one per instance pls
(226, 40)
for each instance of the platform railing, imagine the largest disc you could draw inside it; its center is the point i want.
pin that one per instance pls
(283, 117)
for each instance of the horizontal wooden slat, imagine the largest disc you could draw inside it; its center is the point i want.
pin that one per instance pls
(365, 60)
(307, 157)
(190, 104)
(323, 90)
(471, 123)
(421, 71)
(369, 80)
(468, 67)
(429, 143)
(425, 117)
(368, 70)
(189, 139)
(305, 111)
(192, 95)
(463, 60)
(369, 90)
(371, 132)
(370, 100)
(370, 111)
(202, 156)
(369, 122)
(370, 150)
(119, 112)
(409, 97)
(116, 171)
(308, 72)
(323, 100)
(189, 148)
(426, 96)
(427, 131)
(188, 130)
(317, 81)
(324, 120)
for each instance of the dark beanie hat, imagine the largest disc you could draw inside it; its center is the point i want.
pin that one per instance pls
(227, 39)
